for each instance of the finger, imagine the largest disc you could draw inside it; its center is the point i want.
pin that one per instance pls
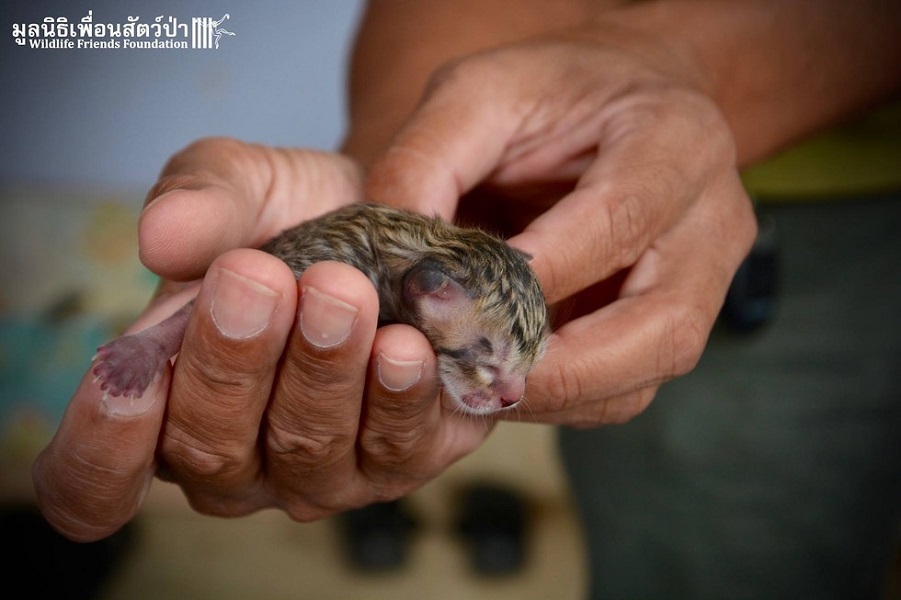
(659, 326)
(402, 412)
(640, 184)
(312, 423)
(453, 140)
(614, 410)
(85, 489)
(218, 194)
(404, 419)
(222, 381)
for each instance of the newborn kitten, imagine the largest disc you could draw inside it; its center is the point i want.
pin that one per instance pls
(474, 298)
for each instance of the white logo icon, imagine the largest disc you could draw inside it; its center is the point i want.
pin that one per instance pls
(206, 32)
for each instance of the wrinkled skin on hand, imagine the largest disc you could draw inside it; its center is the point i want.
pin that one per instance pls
(597, 149)
(284, 393)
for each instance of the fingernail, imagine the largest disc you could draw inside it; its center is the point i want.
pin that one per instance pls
(157, 200)
(241, 308)
(325, 321)
(126, 406)
(398, 375)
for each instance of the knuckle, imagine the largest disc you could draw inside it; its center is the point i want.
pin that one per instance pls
(625, 228)
(564, 388)
(306, 371)
(312, 450)
(683, 341)
(717, 134)
(222, 372)
(457, 72)
(186, 454)
(305, 375)
(479, 77)
(445, 75)
(700, 123)
(390, 451)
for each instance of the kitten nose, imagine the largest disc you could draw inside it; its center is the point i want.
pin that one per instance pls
(510, 390)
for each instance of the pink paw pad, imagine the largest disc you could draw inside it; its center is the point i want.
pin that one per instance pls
(127, 365)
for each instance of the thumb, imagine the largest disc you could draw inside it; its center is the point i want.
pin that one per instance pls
(218, 194)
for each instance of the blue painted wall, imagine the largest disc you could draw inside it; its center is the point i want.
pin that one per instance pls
(113, 116)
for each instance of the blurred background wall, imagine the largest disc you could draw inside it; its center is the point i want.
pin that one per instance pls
(113, 116)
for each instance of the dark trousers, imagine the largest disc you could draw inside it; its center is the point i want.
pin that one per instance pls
(774, 469)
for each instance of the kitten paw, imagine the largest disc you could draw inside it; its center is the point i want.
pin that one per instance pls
(128, 365)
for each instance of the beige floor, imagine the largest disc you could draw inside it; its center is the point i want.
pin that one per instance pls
(184, 555)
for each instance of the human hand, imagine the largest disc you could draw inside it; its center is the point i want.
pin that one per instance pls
(284, 393)
(650, 226)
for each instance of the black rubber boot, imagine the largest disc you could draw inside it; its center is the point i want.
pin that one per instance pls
(376, 537)
(492, 522)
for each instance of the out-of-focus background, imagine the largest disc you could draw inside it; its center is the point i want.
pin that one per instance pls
(84, 134)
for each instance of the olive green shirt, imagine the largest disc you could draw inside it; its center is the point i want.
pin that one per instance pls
(862, 158)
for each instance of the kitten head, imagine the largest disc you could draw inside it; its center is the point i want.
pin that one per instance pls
(485, 315)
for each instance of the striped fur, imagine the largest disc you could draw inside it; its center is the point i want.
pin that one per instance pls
(504, 323)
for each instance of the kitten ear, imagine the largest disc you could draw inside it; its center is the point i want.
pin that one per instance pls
(427, 281)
